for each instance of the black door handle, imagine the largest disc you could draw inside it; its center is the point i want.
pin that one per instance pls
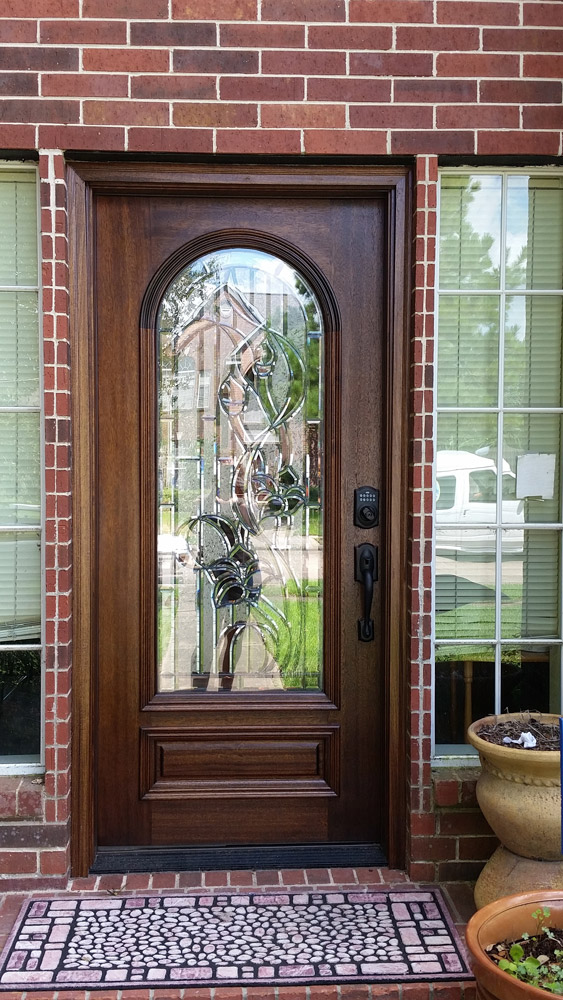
(366, 573)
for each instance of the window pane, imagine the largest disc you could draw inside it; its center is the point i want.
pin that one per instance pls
(467, 433)
(465, 691)
(470, 231)
(532, 350)
(445, 492)
(20, 711)
(468, 329)
(466, 481)
(20, 587)
(19, 349)
(530, 586)
(531, 679)
(534, 232)
(19, 469)
(532, 441)
(465, 586)
(18, 225)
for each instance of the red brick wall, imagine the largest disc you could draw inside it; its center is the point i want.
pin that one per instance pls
(283, 76)
(410, 78)
(451, 842)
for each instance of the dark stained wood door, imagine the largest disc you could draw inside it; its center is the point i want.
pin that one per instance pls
(203, 761)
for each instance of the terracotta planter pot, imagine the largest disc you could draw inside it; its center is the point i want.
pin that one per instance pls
(519, 792)
(507, 919)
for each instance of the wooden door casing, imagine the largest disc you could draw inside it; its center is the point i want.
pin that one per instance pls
(144, 209)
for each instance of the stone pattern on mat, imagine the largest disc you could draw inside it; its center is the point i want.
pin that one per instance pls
(392, 936)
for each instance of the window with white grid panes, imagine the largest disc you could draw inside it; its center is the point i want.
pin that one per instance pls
(498, 518)
(20, 472)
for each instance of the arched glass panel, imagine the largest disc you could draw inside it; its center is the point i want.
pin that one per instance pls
(240, 508)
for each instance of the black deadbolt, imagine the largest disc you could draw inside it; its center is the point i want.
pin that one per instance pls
(366, 507)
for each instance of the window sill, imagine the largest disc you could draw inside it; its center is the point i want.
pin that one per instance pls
(20, 766)
(455, 756)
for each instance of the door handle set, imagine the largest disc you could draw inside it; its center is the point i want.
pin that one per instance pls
(366, 515)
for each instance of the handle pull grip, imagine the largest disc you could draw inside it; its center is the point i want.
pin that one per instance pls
(366, 573)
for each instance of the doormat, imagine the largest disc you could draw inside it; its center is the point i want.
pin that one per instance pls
(233, 939)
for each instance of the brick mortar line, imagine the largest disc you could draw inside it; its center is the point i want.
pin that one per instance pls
(66, 890)
(425, 25)
(335, 78)
(121, 47)
(180, 102)
(296, 127)
(273, 22)
(329, 102)
(123, 891)
(225, 22)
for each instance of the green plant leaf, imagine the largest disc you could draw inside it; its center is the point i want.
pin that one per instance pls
(516, 952)
(531, 965)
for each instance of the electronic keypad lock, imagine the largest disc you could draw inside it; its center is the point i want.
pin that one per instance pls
(366, 507)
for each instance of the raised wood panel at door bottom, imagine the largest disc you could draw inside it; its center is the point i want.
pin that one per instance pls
(215, 762)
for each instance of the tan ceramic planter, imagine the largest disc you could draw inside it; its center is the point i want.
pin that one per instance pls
(507, 918)
(519, 792)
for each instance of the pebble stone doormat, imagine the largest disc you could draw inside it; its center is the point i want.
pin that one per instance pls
(233, 939)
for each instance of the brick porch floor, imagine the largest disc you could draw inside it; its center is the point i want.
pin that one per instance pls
(458, 895)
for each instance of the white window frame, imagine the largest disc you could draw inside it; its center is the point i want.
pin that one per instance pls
(27, 763)
(445, 755)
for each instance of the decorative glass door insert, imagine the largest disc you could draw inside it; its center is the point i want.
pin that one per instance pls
(240, 499)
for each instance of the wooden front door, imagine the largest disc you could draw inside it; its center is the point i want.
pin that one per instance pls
(242, 393)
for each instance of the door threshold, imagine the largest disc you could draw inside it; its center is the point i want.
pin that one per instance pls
(236, 858)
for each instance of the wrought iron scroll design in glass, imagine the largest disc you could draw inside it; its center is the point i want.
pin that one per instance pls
(240, 477)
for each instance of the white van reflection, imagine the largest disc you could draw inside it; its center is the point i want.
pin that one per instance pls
(466, 505)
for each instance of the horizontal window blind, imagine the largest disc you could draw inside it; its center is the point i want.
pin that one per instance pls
(20, 472)
(498, 564)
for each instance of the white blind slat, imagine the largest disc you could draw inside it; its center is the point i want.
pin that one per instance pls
(19, 469)
(20, 587)
(468, 350)
(19, 349)
(18, 226)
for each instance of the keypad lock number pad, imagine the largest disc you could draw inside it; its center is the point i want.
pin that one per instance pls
(366, 507)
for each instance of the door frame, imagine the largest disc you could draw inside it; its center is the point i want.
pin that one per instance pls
(85, 180)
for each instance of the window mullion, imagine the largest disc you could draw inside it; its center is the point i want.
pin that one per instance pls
(500, 450)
